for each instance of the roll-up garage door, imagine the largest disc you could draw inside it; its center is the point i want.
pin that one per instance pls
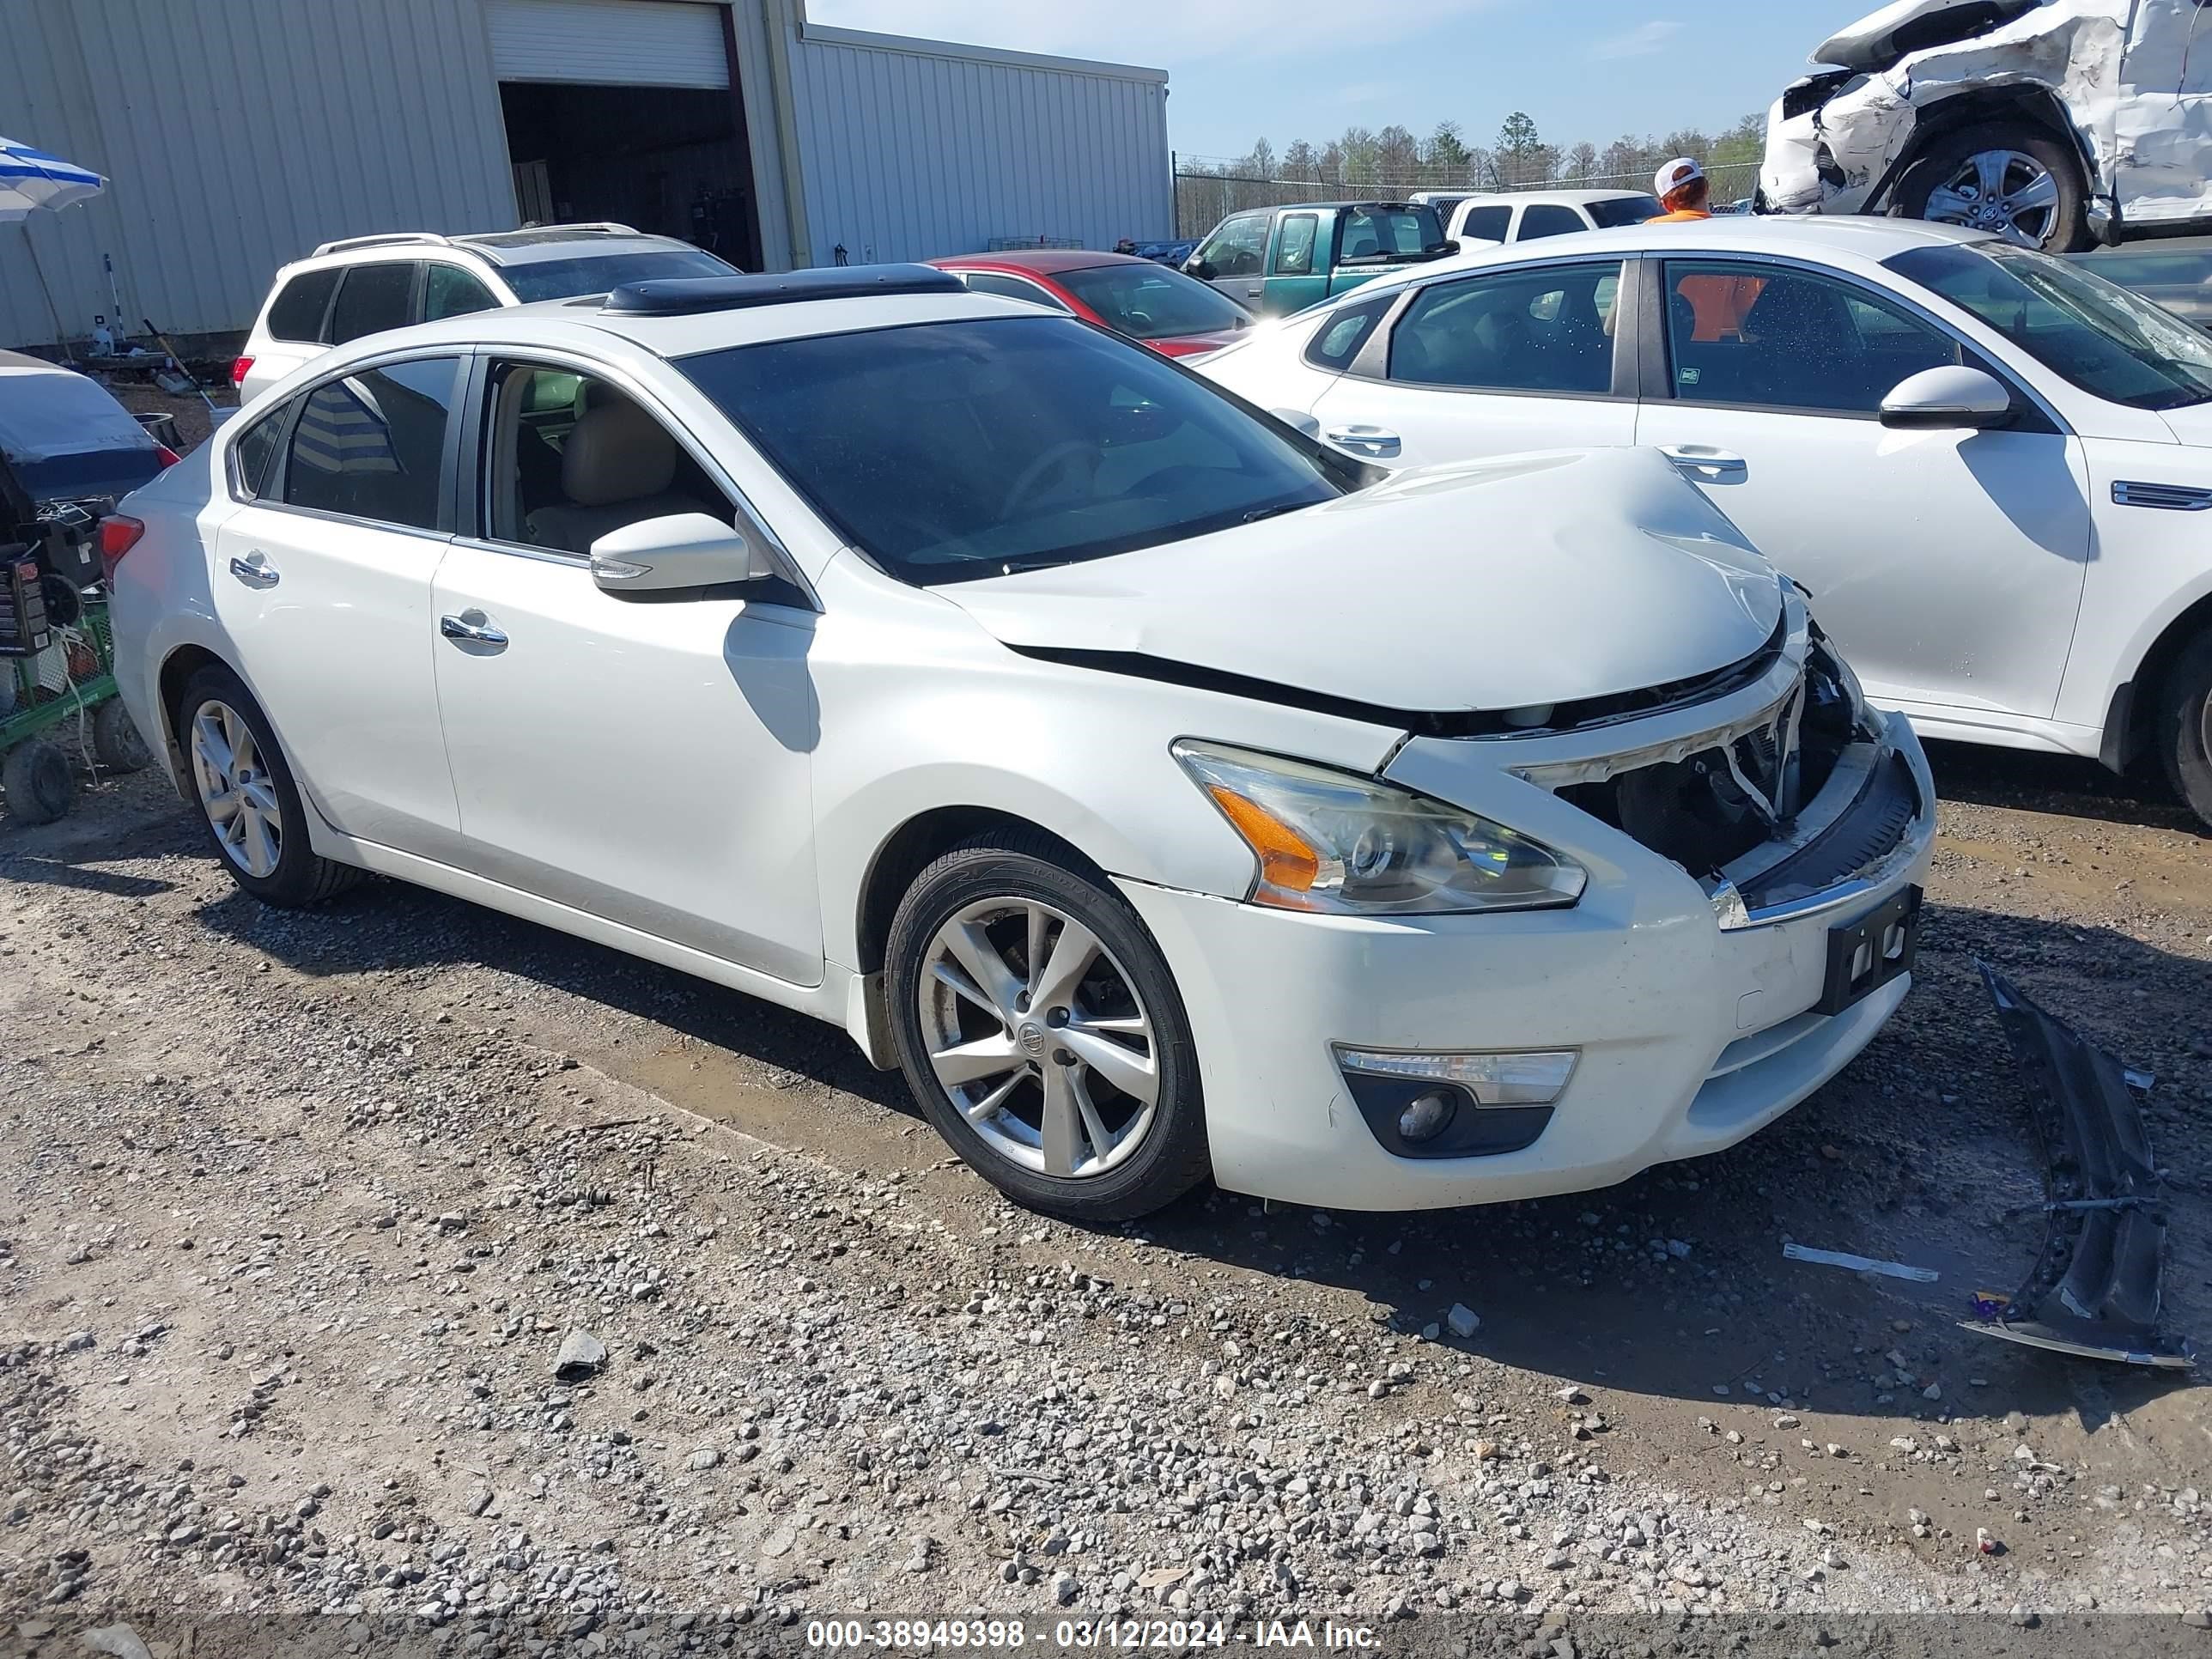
(613, 43)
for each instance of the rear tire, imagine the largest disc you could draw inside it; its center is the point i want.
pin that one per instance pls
(1098, 1074)
(239, 774)
(39, 783)
(1946, 186)
(2184, 726)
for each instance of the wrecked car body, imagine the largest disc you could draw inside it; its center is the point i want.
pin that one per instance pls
(2053, 123)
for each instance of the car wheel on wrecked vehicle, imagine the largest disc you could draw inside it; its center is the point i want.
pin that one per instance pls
(1040, 1028)
(2019, 183)
(2185, 737)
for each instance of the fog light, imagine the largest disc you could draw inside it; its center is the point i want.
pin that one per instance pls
(1502, 1080)
(1427, 1117)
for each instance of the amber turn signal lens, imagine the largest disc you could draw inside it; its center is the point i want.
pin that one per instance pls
(1285, 861)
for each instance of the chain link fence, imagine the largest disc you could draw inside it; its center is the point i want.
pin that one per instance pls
(1205, 196)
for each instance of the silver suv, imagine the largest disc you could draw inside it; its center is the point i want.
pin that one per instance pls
(366, 284)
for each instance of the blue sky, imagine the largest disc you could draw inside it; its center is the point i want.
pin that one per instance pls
(1290, 68)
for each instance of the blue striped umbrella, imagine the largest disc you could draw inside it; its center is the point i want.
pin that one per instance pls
(31, 179)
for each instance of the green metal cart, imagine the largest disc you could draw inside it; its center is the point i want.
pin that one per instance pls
(59, 705)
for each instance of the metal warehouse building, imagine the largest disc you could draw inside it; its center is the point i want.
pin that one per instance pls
(238, 134)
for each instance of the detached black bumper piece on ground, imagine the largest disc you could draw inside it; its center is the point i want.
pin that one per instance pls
(2095, 1290)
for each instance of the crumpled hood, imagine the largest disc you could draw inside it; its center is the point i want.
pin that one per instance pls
(1873, 42)
(1480, 587)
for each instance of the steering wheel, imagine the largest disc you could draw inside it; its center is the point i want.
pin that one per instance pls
(1037, 471)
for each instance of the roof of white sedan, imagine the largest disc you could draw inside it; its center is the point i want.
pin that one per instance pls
(713, 327)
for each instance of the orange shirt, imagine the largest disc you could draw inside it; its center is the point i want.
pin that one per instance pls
(1680, 215)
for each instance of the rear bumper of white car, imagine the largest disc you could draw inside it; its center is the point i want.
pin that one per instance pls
(1688, 1036)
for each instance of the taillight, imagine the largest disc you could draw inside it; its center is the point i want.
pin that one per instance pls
(119, 534)
(239, 369)
(169, 457)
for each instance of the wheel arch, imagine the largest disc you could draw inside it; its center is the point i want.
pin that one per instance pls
(2130, 725)
(919, 842)
(2037, 106)
(175, 673)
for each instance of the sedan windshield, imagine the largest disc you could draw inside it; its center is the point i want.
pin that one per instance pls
(952, 451)
(1151, 302)
(2096, 334)
(603, 273)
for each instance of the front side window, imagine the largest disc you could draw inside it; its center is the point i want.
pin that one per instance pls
(603, 273)
(570, 457)
(1238, 246)
(450, 291)
(1294, 245)
(373, 444)
(1788, 339)
(1151, 302)
(2110, 343)
(1549, 219)
(297, 313)
(1003, 286)
(372, 299)
(1547, 330)
(952, 451)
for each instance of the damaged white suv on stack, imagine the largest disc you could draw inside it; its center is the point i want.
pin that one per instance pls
(2052, 122)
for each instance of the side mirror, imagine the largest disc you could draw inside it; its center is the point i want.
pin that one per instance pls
(1953, 399)
(683, 551)
(1201, 269)
(1308, 424)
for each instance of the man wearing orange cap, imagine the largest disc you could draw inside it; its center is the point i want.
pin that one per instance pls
(1684, 191)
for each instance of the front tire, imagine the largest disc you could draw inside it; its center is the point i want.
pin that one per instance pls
(1041, 1029)
(2185, 730)
(2006, 177)
(248, 802)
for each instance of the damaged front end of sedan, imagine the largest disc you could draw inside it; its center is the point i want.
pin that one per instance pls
(1807, 799)
(2044, 121)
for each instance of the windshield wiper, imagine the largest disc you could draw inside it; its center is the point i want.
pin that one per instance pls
(1258, 515)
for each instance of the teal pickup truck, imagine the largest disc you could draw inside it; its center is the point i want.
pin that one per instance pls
(1279, 260)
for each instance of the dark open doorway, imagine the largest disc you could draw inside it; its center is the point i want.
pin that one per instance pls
(668, 160)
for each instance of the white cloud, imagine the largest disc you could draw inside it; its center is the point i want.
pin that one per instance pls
(1641, 41)
(1160, 33)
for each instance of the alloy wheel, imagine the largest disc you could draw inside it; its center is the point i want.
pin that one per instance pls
(1036, 1037)
(237, 793)
(2004, 190)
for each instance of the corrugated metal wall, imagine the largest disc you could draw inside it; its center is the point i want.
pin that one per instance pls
(910, 149)
(235, 137)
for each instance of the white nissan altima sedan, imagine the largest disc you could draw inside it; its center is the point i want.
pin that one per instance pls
(1168, 794)
(1989, 467)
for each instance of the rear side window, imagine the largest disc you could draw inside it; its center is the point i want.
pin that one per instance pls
(1488, 224)
(1549, 219)
(373, 445)
(1294, 244)
(1010, 287)
(254, 451)
(450, 291)
(1547, 331)
(1338, 340)
(371, 298)
(297, 313)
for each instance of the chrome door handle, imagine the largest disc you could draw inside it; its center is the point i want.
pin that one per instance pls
(255, 571)
(479, 632)
(1707, 465)
(1372, 441)
(1254, 292)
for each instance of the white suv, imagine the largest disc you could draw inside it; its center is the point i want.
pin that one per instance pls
(366, 284)
(1529, 215)
(1167, 794)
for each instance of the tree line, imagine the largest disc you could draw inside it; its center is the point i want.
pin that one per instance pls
(1394, 160)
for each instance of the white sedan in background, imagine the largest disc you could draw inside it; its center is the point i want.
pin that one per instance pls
(1167, 794)
(1988, 466)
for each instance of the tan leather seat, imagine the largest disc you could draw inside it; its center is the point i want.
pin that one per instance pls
(615, 470)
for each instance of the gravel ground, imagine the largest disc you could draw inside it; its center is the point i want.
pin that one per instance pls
(298, 1215)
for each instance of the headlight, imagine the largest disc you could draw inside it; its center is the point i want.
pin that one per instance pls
(1339, 842)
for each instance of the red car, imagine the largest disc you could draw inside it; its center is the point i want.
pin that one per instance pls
(1177, 316)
